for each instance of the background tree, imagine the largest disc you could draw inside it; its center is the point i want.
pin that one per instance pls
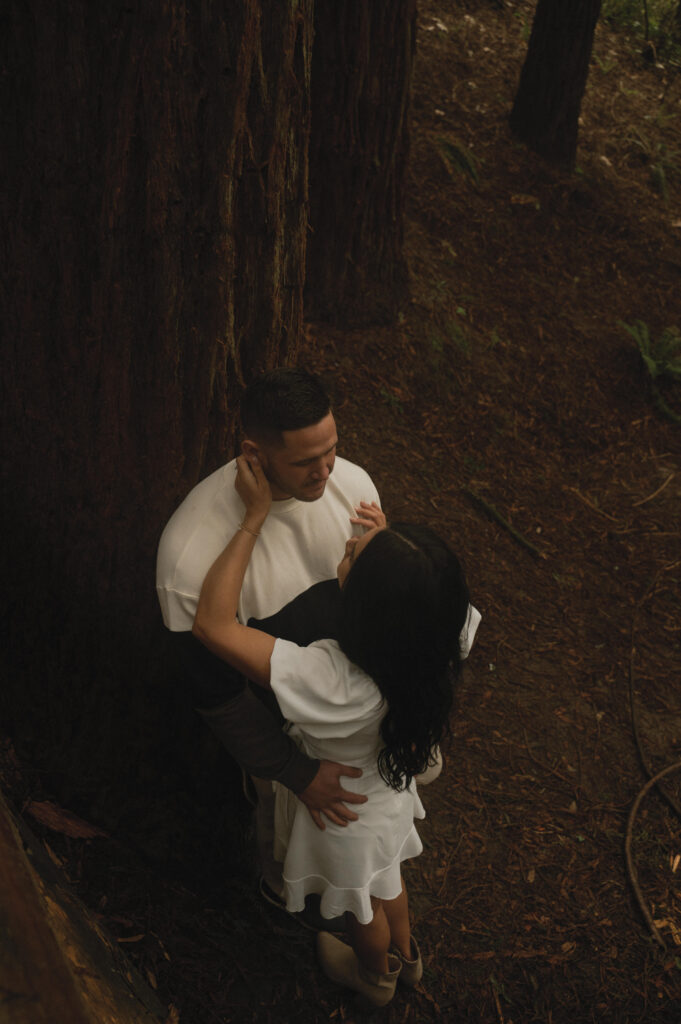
(545, 113)
(362, 65)
(153, 255)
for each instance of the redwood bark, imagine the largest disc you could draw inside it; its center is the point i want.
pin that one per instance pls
(153, 260)
(545, 113)
(361, 84)
(56, 964)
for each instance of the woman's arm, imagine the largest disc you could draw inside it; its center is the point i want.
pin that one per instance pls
(215, 623)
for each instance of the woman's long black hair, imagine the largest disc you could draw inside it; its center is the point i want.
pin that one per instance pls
(403, 606)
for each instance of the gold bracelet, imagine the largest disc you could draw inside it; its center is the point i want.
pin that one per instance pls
(248, 530)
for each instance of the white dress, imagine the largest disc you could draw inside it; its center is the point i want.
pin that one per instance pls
(335, 711)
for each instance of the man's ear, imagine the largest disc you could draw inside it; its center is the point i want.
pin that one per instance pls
(250, 448)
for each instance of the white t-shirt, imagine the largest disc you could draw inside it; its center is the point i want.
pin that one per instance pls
(300, 543)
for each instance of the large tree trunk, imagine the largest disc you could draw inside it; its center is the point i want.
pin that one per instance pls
(153, 247)
(361, 81)
(545, 114)
(56, 963)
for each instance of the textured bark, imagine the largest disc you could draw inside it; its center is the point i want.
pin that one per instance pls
(56, 964)
(153, 259)
(361, 79)
(545, 113)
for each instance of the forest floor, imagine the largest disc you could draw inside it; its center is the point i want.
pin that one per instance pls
(511, 410)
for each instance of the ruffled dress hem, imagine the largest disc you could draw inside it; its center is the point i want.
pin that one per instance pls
(384, 884)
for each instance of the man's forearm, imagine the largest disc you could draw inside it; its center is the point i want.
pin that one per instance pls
(249, 730)
(254, 739)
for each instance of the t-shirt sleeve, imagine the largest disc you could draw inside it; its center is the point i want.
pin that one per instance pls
(368, 487)
(467, 634)
(374, 493)
(318, 689)
(357, 485)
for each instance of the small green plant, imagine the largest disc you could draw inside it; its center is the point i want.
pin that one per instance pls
(391, 400)
(438, 294)
(458, 336)
(564, 580)
(661, 358)
(662, 116)
(605, 65)
(664, 167)
(623, 14)
(436, 342)
(648, 17)
(663, 162)
(457, 159)
(654, 21)
(525, 25)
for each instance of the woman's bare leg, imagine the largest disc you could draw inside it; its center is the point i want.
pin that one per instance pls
(390, 926)
(397, 916)
(371, 941)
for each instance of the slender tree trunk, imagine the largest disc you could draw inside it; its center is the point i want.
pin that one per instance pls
(545, 114)
(361, 81)
(153, 255)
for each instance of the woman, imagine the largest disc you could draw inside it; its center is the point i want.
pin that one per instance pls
(378, 699)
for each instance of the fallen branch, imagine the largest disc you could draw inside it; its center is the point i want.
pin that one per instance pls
(492, 512)
(631, 870)
(655, 493)
(591, 504)
(632, 701)
(513, 954)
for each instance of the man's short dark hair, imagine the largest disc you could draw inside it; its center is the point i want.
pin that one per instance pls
(287, 398)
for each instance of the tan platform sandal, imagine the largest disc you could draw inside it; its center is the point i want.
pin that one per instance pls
(339, 963)
(412, 970)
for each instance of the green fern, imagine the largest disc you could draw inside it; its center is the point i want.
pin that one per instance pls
(661, 358)
(456, 157)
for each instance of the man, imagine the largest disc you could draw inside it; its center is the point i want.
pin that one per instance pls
(290, 587)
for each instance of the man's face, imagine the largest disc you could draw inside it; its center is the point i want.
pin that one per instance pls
(302, 466)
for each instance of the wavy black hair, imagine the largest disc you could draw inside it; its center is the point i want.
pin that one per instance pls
(286, 398)
(403, 605)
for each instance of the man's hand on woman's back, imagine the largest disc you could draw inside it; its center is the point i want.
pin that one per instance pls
(325, 795)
